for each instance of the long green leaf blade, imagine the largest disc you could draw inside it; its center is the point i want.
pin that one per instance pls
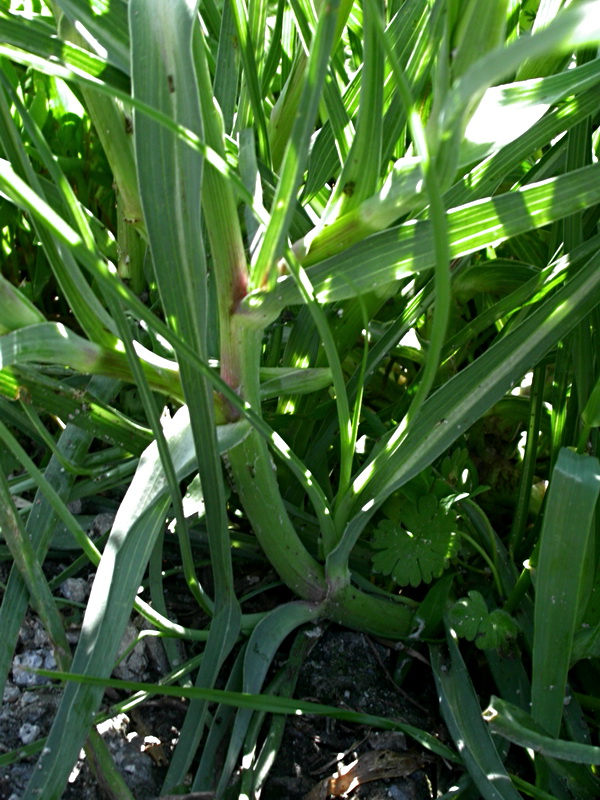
(461, 400)
(519, 727)
(164, 77)
(462, 713)
(391, 255)
(574, 489)
(138, 523)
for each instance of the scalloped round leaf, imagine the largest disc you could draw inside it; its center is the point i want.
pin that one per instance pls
(467, 615)
(418, 550)
(427, 506)
(471, 619)
(496, 630)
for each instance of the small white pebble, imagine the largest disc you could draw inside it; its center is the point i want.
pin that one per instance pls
(28, 732)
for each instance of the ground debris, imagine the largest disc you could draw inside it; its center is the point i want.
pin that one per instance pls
(373, 765)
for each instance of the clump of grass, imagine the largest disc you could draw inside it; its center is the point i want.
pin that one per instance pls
(324, 245)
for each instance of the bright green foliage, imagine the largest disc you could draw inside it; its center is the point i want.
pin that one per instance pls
(335, 268)
(418, 547)
(489, 630)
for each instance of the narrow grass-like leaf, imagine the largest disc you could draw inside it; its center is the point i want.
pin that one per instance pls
(33, 549)
(85, 410)
(188, 149)
(268, 703)
(227, 68)
(437, 214)
(287, 380)
(16, 311)
(361, 169)
(61, 186)
(519, 727)
(184, 134)
(506, 112)
(262, 647)
(402, 186)
(454, 407)
(574, 489)
(299, 652)
(89, 312)
(297, 151)
(546, 62)
(106, 21)
(166, 462)
(164, 69)
(163, 76)
(536, 397)
(219, 207)
(149, 484)
(286, 108)
(42, 521)
(108, 610)
(576, 26)
(205, 778)
(40, 39)
(391, 255)
(484, 178)
(22, 550)
(462, 713)
(339, 385)
(488, 378)
(250, 43)
(475, 36)
(113, 126)
(591, 413)
(541, 284)
(57, 504)
(140, 518)
(52, 343)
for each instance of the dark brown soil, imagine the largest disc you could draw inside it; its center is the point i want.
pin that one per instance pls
(343, 669)
(350, 670)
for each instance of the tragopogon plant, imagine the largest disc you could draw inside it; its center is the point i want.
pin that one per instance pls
(326, 240)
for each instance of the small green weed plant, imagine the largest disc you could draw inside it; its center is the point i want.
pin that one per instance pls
(316, 284)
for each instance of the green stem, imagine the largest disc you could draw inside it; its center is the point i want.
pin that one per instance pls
(220, 212)
(486, 558)
(337, 565)
(346, 426)
(240, 345)
(258, 489)
(256, 483)
(370, 613)
(536, 399)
